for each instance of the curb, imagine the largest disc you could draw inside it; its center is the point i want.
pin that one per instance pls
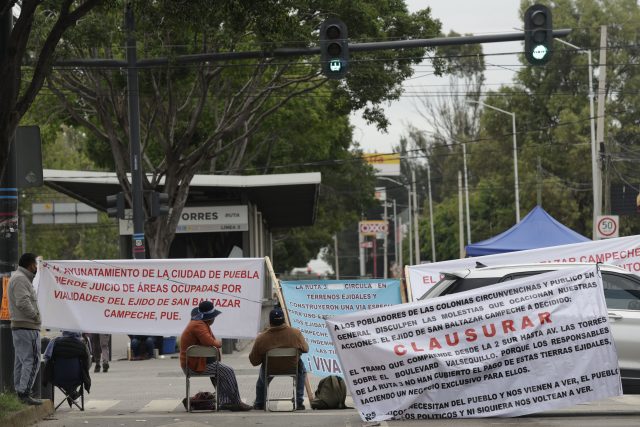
(29, 415)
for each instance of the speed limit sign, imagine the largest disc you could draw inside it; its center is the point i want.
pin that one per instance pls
(607, 226)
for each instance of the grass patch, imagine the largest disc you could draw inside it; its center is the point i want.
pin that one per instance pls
(9, 403)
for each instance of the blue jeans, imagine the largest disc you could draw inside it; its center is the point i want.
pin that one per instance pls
(299, 386)
(137, 346)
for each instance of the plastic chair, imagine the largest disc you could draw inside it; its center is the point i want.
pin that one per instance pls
(213, 355)
(67, 377)
(281, 362)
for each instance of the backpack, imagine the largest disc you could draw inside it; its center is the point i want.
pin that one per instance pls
(331, 393)
(202, 401)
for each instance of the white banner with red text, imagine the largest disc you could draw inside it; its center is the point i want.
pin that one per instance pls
(514, 348)
(623, 252)
(151, 297)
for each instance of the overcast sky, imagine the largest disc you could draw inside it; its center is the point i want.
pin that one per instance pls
(462, 16)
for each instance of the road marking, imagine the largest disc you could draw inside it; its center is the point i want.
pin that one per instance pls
(100, 405)
(628, 399)
(162, 405)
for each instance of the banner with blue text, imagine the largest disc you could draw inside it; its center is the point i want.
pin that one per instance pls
(309, 302)
(510, 349)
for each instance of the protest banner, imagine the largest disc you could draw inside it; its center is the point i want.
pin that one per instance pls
(623, 252)
(309, 302)
(514, 348)
(151, 297)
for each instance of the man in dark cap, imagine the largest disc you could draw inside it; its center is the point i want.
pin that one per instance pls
(25, 327)
(198, 332)
(278, 335)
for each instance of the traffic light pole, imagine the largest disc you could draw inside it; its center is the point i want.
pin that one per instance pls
(293, 52)
(137, 239)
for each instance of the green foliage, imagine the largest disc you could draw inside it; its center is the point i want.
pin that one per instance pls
(305, 135)
(553, 134)
(9, 404)
(65, 150)
(221, 116)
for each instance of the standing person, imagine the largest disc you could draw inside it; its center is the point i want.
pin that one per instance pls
(278, 335)
(100, 351)
(198, 332)
(25, 327)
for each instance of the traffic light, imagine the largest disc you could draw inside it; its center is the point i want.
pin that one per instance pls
(159, 204)
(115, 205)
(334, 48)
(538, 34)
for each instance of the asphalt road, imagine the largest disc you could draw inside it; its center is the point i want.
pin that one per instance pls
(149, 393)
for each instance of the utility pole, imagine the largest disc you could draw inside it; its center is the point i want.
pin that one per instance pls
(395, 233)
(602, 95)
(8, 230)
(386, 239)
(460, 215)
(410, 196)
(433, 236)
(416, 235)
(466, 191)
(539, 179)
(137, 238)
(335, 250)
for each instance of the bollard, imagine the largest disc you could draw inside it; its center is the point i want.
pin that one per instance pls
(227, 345)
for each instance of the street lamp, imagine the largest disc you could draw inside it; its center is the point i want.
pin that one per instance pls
(515, 152)
(595, 170)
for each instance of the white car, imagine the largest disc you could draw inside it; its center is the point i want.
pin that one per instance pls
(621, 292)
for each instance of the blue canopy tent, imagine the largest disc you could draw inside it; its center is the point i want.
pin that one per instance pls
(536, 230)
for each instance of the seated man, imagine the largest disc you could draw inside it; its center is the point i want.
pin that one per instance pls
(198, 332)
(278, 335)
(70, 345)
(142, 347)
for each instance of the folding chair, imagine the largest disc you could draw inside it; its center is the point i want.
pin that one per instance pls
(213, 355)
(281, 362)
(67, 377)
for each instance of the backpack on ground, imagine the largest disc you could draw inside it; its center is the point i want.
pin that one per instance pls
(331, 393)
(202, 401)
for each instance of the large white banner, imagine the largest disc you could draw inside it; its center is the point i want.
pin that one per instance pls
(510, 349)
(151, 297)
(623, 252)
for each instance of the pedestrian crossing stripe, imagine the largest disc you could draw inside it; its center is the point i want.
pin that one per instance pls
(100, 405)
(173, 405)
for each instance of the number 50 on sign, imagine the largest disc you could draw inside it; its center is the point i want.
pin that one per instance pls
(607, 226)
(372, 228)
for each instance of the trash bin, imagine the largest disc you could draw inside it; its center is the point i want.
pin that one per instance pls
(227, 345)
(168, 345)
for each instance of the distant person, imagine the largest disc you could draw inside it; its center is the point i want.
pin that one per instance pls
(69, 345)
(278, 335)
(25, 327)
(100, 351)
(142, 347)
(198, 332)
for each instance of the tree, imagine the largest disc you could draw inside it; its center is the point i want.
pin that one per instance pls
(47, 21)
(203, 118)
(64, 150)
